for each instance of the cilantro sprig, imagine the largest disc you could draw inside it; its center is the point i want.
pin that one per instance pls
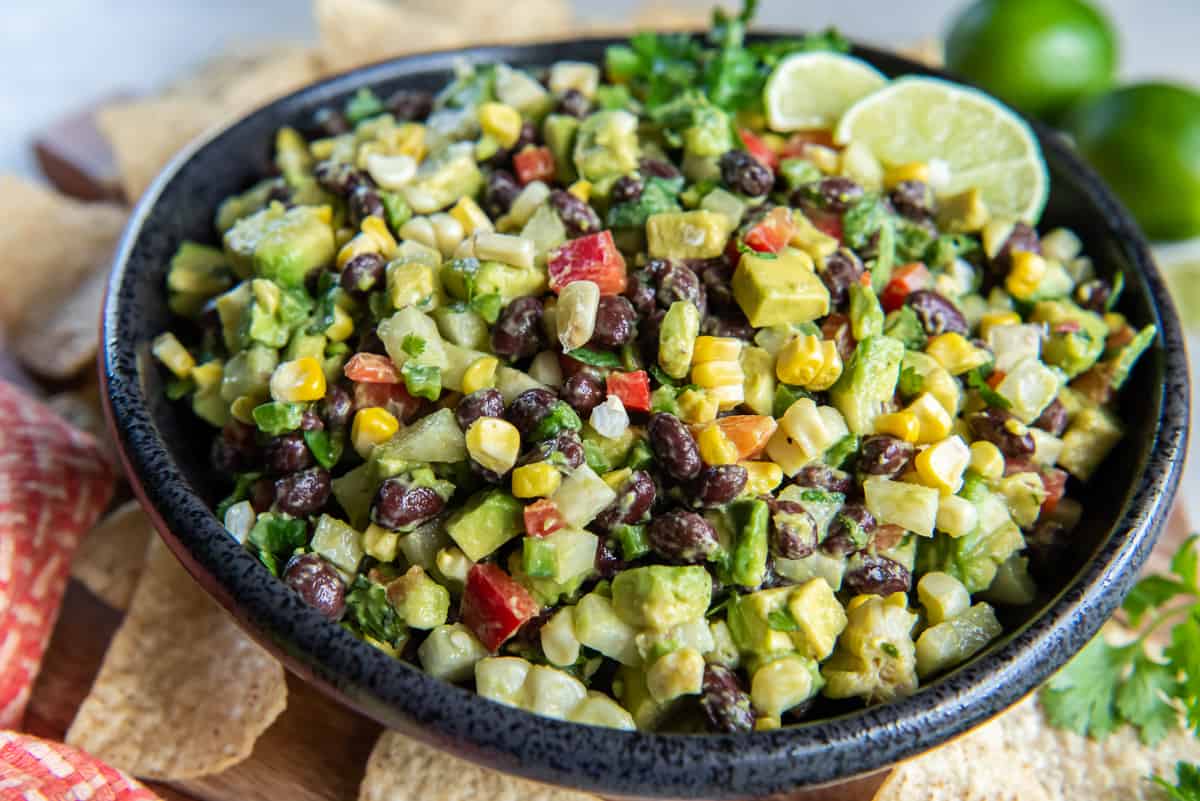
(1106, 686)
(1187, 783)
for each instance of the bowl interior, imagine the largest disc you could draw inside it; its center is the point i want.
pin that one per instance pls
(166, 451)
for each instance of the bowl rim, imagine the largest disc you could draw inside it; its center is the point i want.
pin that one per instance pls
(606, 761)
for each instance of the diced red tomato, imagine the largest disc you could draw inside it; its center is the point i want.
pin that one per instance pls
(543, 518)
(800, 140)
(772, 232)
(633, 389)
(1055, 482)
(371, 368)
(494, 606)
(534, 164)
(995, 378)
(826, 223)
(589, 258)
(393, 397)
(749, 433)
(759, 149)
(905, 280)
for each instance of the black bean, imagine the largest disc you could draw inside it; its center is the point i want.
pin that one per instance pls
(850, 531)
(1024, 238)
(336, 407)
(883, 455)
(677, 282)
(528, 409)
(575, 103)
(727, 327)
(1093, 295)
(480, 403)
(502, 190)
(235, 449)
(363, 273)
(726, 705)
(648, 333)
(578, 217)
(518, 331)
(716, 485)
(876, 575)
(674, 446)
(1053, 418)
(834, 194)
(633, 502)
(912, 199)
(304, 493)
(311, 421)
(399, 504)
(364, 202)
(842, 268)
(616, 321)
(583, 391)
(318, 583)
(1003, 430)
(717, 275)
(683, 537)
(529, 136)
(339, 178)
(627, 189)
(640, 293)
(607, 562)
(819, 476)
(408, 105)
(262, 495)
(287, 454)
(937, 313)
(658, 169)
(743, 173)
(331, 122)
(564, 450)
(793, 531)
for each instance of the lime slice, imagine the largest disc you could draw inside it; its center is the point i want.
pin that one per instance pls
(813, 90)
(1180, 263)
(980, 142)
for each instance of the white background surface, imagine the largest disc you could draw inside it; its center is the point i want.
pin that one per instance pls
(56, 55)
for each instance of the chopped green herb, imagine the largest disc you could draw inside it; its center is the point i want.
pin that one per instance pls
(413, 345)
(422, 380)
(595, 358)
(326, 447)
(368, 610)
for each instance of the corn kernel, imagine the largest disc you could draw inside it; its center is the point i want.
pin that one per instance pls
(995, 320)
(501, 122)
(409, 140)
(375, 228)
(809, 361)
(391, 171)
(912, 171)
(381, 543)
(417, 229)
(480, 375)
(717, 374)
(728, 396)
(298, 380)
(410, 283)
(716, 349)
(537, 480)
(715, 447)
(762, 477)
(941, 465)
(208, 375)
(827, 159)
(342, 326)
(493, 444)
(768, 723)
(581, 189)
(859, 600)
(987, 460)
(697, 406)
(472, 218)
(934, 419)
(168, 350)
(903, 425)
(1026, 273)
(955, 352)
(371, 427)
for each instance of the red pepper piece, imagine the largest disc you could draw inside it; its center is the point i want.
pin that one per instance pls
(633, 389)
(905, 280)
(761, 151)
(772, 232)
(371, 368)
(534, 164)
(494, 606)
(589, 258)
(543, 518)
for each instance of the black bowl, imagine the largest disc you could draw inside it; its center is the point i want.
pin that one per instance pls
(165, 454)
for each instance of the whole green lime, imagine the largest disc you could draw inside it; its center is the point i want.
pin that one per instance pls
(1039, 56)
(1144, 140)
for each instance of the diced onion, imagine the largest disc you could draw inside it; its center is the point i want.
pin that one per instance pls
(610, 418)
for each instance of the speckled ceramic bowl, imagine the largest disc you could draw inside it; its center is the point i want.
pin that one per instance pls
(165, 450)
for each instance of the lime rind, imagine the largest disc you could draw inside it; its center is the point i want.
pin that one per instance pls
(985, 143)
(812, 90)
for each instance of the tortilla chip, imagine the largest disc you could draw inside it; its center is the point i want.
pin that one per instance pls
(145, 134)
(270, 78)
(928, 51)
(62, 334)
(50, 244)
(81, 408)
(1019, 757)
(110, 558)
(402, 768)
(182, 692)
(212, 79)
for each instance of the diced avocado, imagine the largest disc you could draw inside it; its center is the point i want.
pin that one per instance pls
(875, 658)
(236, 207)
(932, 378)
(1076, 338)
(698, 169)
(199, 270)
(419, 600)
(820, 617)
(275, 313)
(866, 315)
(558, 132)
(450, 653)
(354, 492)
(606, 145)
(462, 326)
(545, 229)
(282, 245)
(783, 683)
(689, 235)
(954, 641)
(613, 451)
(750, 621)
(658, 197)
(1089, 438)
(710, 133)
(232, 308)
(444, 177)
(752, 520)
(661, 596)
(867, 382)
(489, 519)
(248, 373)
(338, 543)
(598, 626)
(974, 558)
(784, 289)
(631, 689)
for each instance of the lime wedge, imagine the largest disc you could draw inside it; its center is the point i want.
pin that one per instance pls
(979, 141)
(813, 90)
(1180, 263)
